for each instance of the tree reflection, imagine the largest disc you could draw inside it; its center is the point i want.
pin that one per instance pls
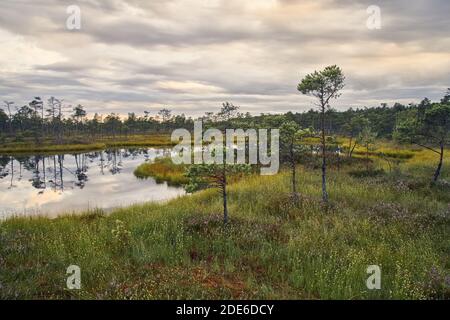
(4, 161)
(11, 185)
(114, 161)
(56, 172)
(81, 170)
(37, 180)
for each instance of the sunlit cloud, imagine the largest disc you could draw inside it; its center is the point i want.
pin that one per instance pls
(192, 55)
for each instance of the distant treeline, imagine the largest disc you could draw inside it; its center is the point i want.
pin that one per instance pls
(51, 119)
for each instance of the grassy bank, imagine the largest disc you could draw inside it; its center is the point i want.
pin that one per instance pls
(270, 249)
(81, 144)
(163, 170)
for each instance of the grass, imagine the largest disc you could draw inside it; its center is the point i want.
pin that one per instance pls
(32, 148)
(163, 170)
(390, 152)
(140, 140)
(270, 250)
(81, 144)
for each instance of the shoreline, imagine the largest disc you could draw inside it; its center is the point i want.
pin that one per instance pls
(48, 148)
(183, 244)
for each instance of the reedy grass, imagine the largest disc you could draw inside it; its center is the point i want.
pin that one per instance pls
(32, 148)
(270, 249)
(80, 144)
(163, 170)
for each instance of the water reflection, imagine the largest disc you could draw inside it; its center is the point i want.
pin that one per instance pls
(53, 184)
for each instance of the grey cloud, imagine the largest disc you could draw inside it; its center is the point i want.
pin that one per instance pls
(62, 67)
(116, 60)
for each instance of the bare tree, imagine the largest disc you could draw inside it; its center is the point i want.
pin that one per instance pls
(165, 114)
(8, 105)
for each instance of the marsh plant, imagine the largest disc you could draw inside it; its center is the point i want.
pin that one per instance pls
(121, 234)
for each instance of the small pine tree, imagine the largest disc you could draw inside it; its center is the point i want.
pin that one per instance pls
(202, 176)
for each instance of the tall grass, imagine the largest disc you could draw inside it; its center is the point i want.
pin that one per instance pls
(163, 170)
(271, 249)
(81, 144)
(32, 148)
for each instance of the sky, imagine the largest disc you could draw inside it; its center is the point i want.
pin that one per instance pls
(192, 55)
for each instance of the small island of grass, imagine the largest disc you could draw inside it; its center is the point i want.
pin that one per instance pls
(163, 170)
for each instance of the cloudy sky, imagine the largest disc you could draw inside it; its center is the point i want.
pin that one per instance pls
(191, 55)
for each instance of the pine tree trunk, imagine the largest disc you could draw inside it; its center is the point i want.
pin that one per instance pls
(10, 121)
(292, 156)
(353, 149)
(367, 157)
(295, 195)
(324, 163)
(439, 167)
(294, 187)
(224, 196)
(350, 147)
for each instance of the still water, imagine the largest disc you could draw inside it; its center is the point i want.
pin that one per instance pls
(67, 183)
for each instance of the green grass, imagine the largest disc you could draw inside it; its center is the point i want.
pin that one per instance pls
(271, 249)
(81, 144)
(32, 148)
(163, 170)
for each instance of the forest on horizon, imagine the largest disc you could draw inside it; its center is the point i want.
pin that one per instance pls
(42, 118)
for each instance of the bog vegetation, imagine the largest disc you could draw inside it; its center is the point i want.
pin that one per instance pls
(163, 170)
(358, 188)
(271, 248)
